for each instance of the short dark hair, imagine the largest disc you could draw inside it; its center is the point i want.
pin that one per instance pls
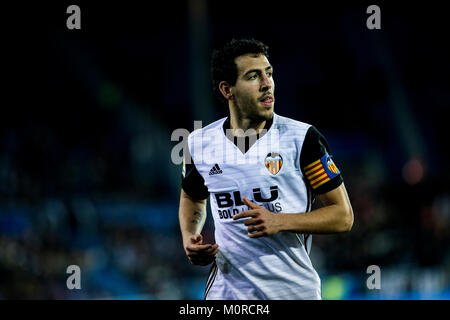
(223, 66)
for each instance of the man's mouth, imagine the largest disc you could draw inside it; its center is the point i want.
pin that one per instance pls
(267, 100)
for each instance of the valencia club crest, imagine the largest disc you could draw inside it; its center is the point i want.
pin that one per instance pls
(273, 162)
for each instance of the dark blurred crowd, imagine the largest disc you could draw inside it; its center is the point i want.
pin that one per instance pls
(121, 255)
(129, 246)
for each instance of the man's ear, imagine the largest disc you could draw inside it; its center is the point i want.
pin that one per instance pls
(226, 90)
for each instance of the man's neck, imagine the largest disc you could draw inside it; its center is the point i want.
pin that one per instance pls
(240, 125)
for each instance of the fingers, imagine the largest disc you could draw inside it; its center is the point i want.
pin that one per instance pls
(215, 250)
(196, 238)
(253, 212)
(202, 248)
(202, 251)
(253, 221)
(257, 234)
(202, 254)
(248, 213)
(252, 228)
(250, 204)
(256, 225)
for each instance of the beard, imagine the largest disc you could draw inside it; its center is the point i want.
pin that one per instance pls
(252, 109)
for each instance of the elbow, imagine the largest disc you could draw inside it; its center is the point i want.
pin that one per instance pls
(348, 224)
(346, 221)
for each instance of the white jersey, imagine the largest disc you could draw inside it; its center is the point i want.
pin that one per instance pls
(269, 174)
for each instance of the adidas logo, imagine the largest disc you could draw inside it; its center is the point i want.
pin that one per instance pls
(215, 170)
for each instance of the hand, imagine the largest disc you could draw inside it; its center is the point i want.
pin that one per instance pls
(263, 222)
(198, 253)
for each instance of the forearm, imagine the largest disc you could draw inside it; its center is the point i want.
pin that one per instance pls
(329, 219)
(192, 215)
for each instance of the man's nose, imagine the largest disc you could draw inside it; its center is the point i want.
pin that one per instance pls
(266, 83)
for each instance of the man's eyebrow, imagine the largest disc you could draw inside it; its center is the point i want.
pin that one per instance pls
(256, 70)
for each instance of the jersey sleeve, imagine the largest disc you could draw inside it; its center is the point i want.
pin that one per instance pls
(192, 181)
(317, 165)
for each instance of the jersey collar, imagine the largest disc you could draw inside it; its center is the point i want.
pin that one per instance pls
(226, 124)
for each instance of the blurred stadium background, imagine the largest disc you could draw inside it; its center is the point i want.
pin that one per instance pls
(86, 176)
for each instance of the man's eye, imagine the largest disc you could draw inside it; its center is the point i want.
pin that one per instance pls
(269, 74)
(252, 77)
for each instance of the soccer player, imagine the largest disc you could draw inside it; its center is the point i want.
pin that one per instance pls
(261, 172)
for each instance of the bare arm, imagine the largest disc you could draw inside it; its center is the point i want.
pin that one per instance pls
(336, 216)
(192, 217)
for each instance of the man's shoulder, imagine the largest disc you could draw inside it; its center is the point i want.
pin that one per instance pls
(286, 123)
(209, 129)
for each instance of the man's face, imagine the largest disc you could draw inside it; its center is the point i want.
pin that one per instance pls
(254, 89)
